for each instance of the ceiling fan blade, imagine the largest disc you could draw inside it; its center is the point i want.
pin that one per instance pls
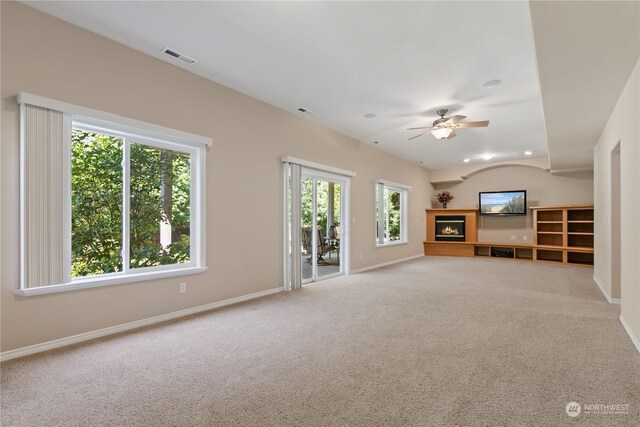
(481, 124)
(455, 119)
(424, 127)
(452, 135)
(414, 137)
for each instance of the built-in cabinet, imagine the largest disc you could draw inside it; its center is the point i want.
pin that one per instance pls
(563, 234)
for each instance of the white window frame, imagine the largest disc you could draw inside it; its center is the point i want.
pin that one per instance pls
(132, 131)
(382, 214)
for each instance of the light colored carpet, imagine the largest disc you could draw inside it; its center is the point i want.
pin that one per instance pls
(434, 341)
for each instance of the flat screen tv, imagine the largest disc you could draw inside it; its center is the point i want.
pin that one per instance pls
(503, 203)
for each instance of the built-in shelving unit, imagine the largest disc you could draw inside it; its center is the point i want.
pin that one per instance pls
(503, 250)
(562, 235)
(566, 232)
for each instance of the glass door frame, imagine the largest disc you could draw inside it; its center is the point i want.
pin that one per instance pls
(292, 172)
(316, 176)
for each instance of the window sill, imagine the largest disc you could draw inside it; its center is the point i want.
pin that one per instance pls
(395, 243)
(97, 282)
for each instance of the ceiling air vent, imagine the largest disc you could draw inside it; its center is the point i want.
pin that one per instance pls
(305, 111)
(178, 55)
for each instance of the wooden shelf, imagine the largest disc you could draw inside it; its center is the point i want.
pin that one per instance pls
(579, 248)
(549, 239)
(578, 256)
(578, 227)
(524, 253)
(549, 255)
(550, 216)
(570, 239)
(584, 214)
(557, 207)
(582, 258)
(507, 245)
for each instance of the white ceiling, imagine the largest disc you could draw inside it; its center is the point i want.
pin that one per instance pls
(586, 51)
(399, 60)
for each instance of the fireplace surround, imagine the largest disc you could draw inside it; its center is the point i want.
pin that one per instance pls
(470, 225)
(450, 228)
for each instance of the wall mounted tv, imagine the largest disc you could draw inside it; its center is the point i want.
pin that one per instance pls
(503, 203)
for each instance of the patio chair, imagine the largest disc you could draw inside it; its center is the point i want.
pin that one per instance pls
(324, 246)
(306, 242)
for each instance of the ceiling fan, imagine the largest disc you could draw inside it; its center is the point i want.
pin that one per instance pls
(444, 128)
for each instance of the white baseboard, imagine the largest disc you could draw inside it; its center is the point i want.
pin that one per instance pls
(384, 264)
(606, 296)
(627, 329)
(74, 339)
(616, 301)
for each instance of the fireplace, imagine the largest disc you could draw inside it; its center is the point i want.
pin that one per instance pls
(450, 228)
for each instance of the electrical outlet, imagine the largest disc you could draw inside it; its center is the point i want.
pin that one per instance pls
(183, 287)
(361, 255)
(524, 237)
(513, 237)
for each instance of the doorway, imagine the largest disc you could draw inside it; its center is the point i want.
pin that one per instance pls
(616, 237)
(316, 232)
(320, 233)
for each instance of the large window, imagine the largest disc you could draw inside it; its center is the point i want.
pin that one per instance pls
(391, 215)
(106, 201)
(120, 224)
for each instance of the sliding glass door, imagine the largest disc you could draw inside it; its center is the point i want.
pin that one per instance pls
(316, 243)
(321, 204)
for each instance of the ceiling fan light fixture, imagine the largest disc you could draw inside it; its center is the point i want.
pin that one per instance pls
(441, 133)
(446, 127)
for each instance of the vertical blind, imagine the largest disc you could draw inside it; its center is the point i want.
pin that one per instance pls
(296, 225)
(292, 278)
(45, 170)
(381, 213)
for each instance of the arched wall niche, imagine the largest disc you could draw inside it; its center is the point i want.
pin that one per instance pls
(504, 165)
(460, 173)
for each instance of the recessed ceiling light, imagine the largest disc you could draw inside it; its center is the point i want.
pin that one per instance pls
(467, 160)
(492, 83)
(528, 153)
(487, 156)
(370, 115)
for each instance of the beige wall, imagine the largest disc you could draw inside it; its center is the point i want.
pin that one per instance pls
(48, 57)
(622, 128)
(543, 189)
